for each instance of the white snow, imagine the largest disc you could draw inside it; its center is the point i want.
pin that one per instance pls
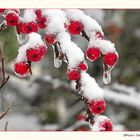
(29, 15)
(90, 88)
(99, 119)
(104, 45)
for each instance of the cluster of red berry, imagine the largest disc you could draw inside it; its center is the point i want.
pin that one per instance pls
(37, 52)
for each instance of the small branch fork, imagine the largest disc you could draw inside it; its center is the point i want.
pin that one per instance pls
(3, 78)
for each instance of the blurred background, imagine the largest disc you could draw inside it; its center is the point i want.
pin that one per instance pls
(47, 101)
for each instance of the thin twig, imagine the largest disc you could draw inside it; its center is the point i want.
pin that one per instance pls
(6, 126)
(4, 112)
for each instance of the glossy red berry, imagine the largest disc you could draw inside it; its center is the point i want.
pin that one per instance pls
(82, 66)
(21, 68)
(99, 35)
(93, 54)
(110, 59)
(75, 27)
(41, 22)
(98, 107)
(30, 27)
(73, 74)
(20, 27)
(11, 19)
(33, 55)
(49, 39)
(106, 125)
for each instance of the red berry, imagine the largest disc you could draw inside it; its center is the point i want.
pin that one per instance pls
(73, 74)
(49, 38)
(83, 66)
(42, 50)
(30, 27)
(2, 10)
(11, 19)
(99, 35)
(82, 128)
(33, 55)
(41, 22)
(93, 54)
(21, 68)
(38, 13)
(20, 27)
(75, 27)
(106, 125)
(98, 107)
(110, 59)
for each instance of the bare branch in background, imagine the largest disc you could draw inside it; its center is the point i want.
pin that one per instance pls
(4, 112)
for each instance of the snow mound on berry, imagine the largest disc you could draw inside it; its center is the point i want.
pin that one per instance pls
(90, 88)
(56, 20)
(72, 51)
(74, 14)
(99, 119)
(29, 15)
(104, 45)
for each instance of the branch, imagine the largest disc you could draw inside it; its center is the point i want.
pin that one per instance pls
(4, 79)
(4, 113)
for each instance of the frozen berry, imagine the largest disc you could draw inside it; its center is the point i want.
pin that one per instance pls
(98, 107)
(83, 66)
(110, 59)
(99, 35)
(73, 74)
(30, 27)
(106, 125)
(75, 27)
(33, 55)
(93, 54)
(21, 68)
(49, 38)
(41, 22)
(20, 27)
(11, 19)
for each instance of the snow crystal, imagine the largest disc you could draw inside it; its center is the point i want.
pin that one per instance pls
(29, 15)
(90, 88)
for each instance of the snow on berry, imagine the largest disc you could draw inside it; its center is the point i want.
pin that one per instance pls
(90, 88)
(56, 19)
(70, 48)
(21, 69)
(102, 123)
(98, 107)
